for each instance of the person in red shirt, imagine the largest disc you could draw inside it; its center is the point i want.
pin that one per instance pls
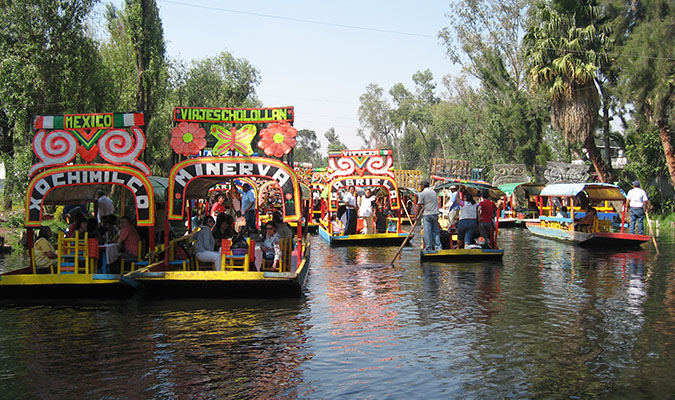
(129, 239)
(218, 207)
(486, 215)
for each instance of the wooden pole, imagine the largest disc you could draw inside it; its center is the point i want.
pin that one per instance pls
(651, 232)
(405, 241)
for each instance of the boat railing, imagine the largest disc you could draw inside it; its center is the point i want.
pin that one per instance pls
(557, 222)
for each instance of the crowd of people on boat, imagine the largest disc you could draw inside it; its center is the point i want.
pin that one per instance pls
(472, 219)
(366, 207)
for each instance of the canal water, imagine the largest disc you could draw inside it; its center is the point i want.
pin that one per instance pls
(550, 321)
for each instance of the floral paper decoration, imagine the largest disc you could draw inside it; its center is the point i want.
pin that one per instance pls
(278, 139)
(188, 138)
(233, 140)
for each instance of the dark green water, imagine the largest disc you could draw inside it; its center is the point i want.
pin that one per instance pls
(551, 321)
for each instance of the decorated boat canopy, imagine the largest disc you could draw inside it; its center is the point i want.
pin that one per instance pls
(595, 191)
(78, 184)
(361, 168)
(116, 137)
(188, 137)
(192, 178)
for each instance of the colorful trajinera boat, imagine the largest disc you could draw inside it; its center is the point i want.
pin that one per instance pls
(577, 199)
(57, 178)
(242, 273)
(520, 203)
(449, 238)
(371, 169)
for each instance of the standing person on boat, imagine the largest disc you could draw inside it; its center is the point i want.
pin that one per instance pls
(637, 202)
(128, 240)
(271, 249)
(45, 255)
(248, 207)
(366, 211)
(428, 199)
(350, 203)
(206, 244)
(486, 214)
(218, 206)
(453, 210)
(468, 215)
(104, 205)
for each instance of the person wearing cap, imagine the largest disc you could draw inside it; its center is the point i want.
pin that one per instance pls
(637, 200)
(453, 211)
(432, 231)
(248, 207)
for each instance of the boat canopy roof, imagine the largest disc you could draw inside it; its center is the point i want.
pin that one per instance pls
(475, 187)
(532, 189)
(596, 191)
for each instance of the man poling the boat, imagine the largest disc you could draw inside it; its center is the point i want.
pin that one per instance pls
(428, 199)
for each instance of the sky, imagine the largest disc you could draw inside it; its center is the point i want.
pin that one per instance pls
(317, 56)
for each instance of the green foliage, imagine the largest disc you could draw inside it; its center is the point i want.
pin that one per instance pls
(334, 142)
(308, 148)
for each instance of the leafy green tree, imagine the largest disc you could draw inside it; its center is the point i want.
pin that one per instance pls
(48, 66)
(375, 117)
(565, 46)
(647, 61)
(334, 142)
(220, 81)
(308, 148)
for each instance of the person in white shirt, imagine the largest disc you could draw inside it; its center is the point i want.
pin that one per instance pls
(104, 205)
(637, 200)
(432, 231)
(350, 202)
(366, 211)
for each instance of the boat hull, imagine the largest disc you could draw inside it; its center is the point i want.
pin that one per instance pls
(226, 283)
(584, 239)
(65, 285)
(463, 255)
(375, 239)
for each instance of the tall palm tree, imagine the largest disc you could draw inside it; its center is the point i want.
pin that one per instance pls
(564, 48)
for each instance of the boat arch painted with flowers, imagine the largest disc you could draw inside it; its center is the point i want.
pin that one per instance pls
(78, 155)
(364, 169)
(198, 169)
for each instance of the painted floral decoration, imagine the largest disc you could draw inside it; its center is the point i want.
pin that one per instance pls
(278, 139)
(188, 138)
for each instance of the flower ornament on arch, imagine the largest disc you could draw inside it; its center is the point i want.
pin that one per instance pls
(188, 138)
(278, 139)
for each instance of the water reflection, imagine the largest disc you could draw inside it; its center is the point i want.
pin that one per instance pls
(550, 321)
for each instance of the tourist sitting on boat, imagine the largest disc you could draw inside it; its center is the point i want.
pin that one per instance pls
(224, 228)
(562, 213)
(486, 214)
(108, 228)
(468, 215)
(45, 255)
(128, 240)
(338, 228)
(205, 243)
(283, 230)
(75, 219)
(271, 250)
(239, 222)
(218, 206)
(586, 222)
